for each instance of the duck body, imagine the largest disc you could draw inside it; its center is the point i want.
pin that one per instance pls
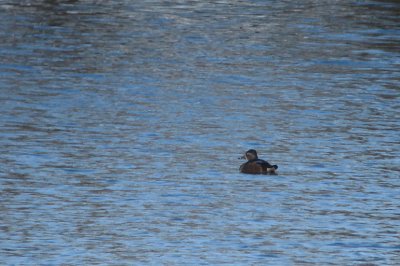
(254, 165)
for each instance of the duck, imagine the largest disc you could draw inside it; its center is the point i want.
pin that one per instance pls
(254, 165)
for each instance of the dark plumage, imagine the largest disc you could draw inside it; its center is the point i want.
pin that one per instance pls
(255, 165)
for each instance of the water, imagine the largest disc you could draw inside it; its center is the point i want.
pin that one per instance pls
(121, 125)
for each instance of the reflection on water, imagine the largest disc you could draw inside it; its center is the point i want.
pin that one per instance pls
(121, 124)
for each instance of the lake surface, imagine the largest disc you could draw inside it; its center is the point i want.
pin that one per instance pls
(121, 123)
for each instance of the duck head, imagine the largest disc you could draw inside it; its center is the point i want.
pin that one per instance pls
(250, 155)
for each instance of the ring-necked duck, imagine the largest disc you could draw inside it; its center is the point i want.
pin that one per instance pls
(255, 165)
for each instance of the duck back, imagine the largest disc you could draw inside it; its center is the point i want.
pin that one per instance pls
(258, 167)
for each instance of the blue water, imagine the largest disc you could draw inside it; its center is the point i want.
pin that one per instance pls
(121, 123)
